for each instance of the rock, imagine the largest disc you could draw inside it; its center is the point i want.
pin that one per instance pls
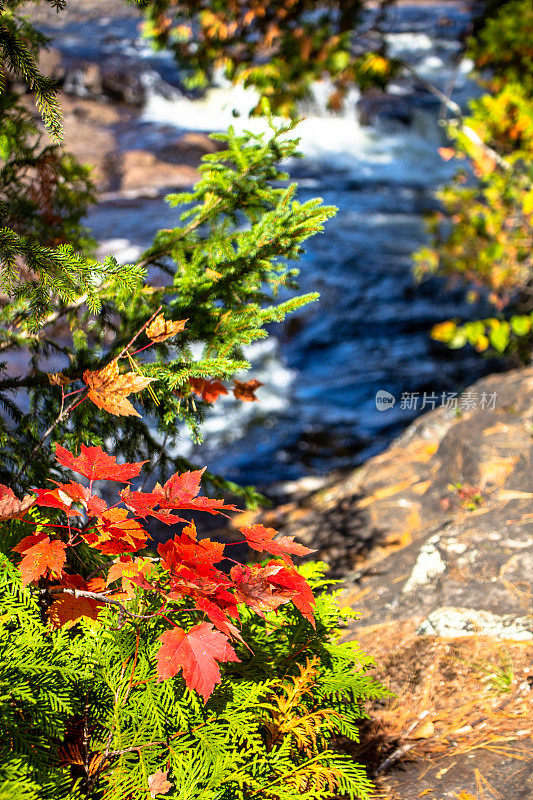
(455, 622)
(429, 565)
(122, 82)
(88, 137)
(434, 539)
(116, 80)
(142, 170)
(51, 64)
(188, 149)
(375, 105)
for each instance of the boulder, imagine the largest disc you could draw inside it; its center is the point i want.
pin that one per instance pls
(142, 171)
(116, 80)
(188, 149)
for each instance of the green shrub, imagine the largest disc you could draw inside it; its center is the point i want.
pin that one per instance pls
(70, 697)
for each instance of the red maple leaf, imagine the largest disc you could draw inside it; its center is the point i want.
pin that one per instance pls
(68, 493)
(184, 551)
(209, 391)
(197, 654)
(143, 505)
(181, 490)
(289, 579)
(181, 487)
(218, 617)
(96, 465)
(63, 497)
(41, 556)
(253, 586)
(260, 538)
(116, 533)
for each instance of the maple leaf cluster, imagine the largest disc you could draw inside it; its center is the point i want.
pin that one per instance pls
(109, 388)
(187, 567)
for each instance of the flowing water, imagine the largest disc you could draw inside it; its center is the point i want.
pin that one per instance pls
(369, 332)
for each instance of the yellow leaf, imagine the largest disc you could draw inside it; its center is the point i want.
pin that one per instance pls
(160, 328)
(108, 389)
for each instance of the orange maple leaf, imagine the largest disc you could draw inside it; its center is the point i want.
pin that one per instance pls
(246, 390)
(10, 506)
(67, 610)
(160, 328)
(41, 556)
(109, 390)
(126, 570)
(209, 391)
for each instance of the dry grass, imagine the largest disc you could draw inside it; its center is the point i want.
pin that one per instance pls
(452, 696)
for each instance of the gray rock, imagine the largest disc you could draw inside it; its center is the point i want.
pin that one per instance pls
(453, 622)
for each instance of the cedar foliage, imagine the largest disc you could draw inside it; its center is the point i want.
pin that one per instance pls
(83, 716)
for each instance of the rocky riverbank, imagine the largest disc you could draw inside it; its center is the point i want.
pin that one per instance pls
(434, 541)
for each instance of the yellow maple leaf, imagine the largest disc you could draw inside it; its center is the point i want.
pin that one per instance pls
(160, 328)
(109, 390)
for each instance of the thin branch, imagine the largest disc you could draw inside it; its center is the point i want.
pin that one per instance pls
(102, 598)
(50, 319)
(456, 110)
(136, 336)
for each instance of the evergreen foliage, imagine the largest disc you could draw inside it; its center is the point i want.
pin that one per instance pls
(84, 717)
(221, 269)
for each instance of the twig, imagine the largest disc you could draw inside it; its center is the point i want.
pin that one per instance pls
(456, 110)
(64, 412)
(403, 749)
(394, 757)
(101, 598)
(156, 462)
(50, 319)
(127, 347)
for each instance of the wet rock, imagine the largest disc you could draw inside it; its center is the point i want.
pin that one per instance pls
(188, 149)
(142, 170)
(114, 81)
(376, 105)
